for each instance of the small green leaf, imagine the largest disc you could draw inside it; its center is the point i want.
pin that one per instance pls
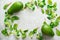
(5, 6)
(55, 6)
(58, 19)
(35, 30)
(50, 2)
(41, 4)
(30, 6)
(23, 34)
(31, 33)
(35, 3)
(39, 36)
(25, 31)
(51, 15)
(13, 18)
(47, 11)
(49, 6)
(42, 11)
(57, 32)
(11, 28)
(17, 33)
(4, 32)
(15, 26)
(7, 23)
(54, 24)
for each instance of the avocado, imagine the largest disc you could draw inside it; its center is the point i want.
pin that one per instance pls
(15, 7)
(47, 30)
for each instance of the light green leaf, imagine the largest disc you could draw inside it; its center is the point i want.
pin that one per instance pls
(5, 6)
(57, 32)
(50, 2)
(15, 26)
(30, 6)
(55, 6)
(11, 28)
(42, 11)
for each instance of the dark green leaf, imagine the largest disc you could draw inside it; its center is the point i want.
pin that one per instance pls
(4, 32)
(13, 18)
(25, 31)
(35, 30)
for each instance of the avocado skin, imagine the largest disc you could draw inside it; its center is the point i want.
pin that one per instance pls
(47, 30)
(15, 7)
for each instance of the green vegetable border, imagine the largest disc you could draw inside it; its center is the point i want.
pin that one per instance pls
(11, 27)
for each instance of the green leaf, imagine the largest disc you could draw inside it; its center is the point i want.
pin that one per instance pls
(31, 33)
(35, 30)
(7, 23)
(50, 2)
(51, 15)
(11, 28)
(55, 6)
(58, 19)
(42, 11)
(13, 18)
(39, 36)
(5, 6)
(15, 26)
(17, 33)
(25, 31)
(23, 34)
(47, 11)
(49, 6)
(54, 24)
(4, 32)
(41, 4)
(7, 16)
(57, 32)
(35, 3)
(30, 6)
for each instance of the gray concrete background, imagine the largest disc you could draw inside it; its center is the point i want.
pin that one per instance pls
(28, 20)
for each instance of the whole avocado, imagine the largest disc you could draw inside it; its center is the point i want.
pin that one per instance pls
(15, 7)
(47, 30)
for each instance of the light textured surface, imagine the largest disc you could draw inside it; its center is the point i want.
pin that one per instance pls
(28, 20)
